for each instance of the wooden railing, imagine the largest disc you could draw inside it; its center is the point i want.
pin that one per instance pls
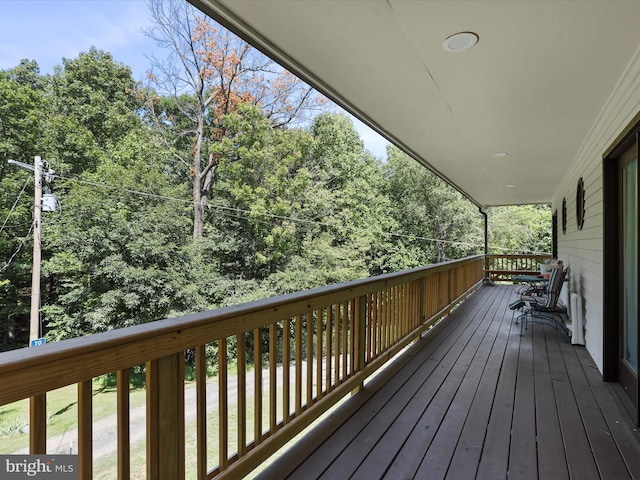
(500, 268)
(282, 362)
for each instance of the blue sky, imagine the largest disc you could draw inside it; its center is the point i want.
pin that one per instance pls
(48, 30)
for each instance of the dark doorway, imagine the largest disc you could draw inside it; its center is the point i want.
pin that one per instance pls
(621, 267)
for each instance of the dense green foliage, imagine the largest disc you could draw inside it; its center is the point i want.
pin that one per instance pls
(290, 208)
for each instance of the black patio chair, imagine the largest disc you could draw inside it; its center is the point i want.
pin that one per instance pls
(547, 308)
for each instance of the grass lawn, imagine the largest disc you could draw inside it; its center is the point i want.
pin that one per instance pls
(62, 417)
(62, 413)
(106, 467)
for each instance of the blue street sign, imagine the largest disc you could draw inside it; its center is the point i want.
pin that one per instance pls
(38, 341)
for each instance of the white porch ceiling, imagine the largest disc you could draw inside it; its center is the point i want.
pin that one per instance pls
(532, 86)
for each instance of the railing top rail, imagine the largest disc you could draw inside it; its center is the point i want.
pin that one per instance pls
(134, 345)
(519, 255)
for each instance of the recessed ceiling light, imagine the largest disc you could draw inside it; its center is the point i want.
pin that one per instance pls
(459, 42)
(498, 154)
(510, 186)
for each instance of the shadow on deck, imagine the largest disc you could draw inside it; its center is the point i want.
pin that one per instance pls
(476, 401)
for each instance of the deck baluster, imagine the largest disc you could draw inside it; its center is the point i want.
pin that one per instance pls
(38, 424)
(124, 449)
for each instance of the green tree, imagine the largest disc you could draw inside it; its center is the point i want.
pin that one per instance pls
(23, 110)
(261, 187)
(111, 257)
(295, 209)
(349, 197)
(436, 222)
(520, 229)
(119, 258)
(93, 105)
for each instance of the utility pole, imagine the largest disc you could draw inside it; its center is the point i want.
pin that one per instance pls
(34, 319)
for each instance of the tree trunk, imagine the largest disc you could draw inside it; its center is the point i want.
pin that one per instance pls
(198, 201)
(198, 207)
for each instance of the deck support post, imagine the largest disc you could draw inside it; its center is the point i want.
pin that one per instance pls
(165, 418)
(486, 243)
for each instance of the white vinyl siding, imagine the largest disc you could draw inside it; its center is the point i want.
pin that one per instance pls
(582, 250)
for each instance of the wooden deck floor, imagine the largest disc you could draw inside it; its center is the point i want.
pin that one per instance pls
(476, 401)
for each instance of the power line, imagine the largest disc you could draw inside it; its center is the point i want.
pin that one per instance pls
(224, 210)
(14, 205)
(6, 265)
(18, 225)
(264, 214)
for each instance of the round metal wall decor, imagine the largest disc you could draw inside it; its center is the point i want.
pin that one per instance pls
(580, 204)
(564, 215)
